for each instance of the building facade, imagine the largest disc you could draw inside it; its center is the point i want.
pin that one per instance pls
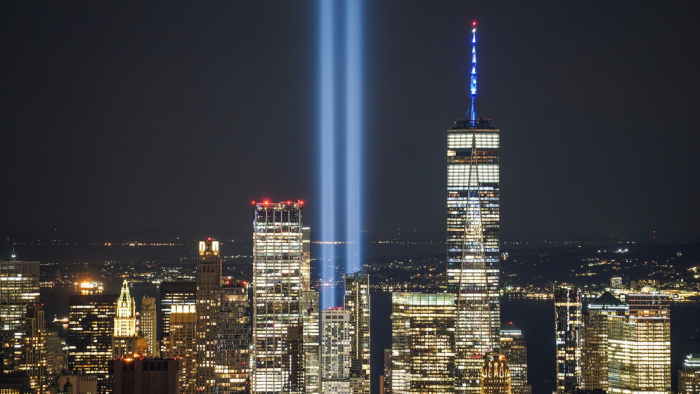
(208, 293)
(90, 330)
(182, 345)
(596, 331)
(171, 293)
(689, 375)
(149, 325)
(124, 338)
(336, 346)
(513, 347)
(568, 322)
(19, 287)
(639, 346)
(422, 343)
(495, 375)
(146, 376)
(280, 275)
(357, 303)
(233, 335)
(473, 238)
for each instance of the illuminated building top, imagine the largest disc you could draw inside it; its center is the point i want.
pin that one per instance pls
(125, 317)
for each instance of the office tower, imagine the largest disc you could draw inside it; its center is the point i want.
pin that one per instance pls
(310, 338)
(385, 383)
(149, 324)
(90, 330)
(124, 338)
(335, 350)
(357, 303)
(423, 342)
(639, 346)
(514, 348)
(19, 287)
(181, 293)
(146, 376)
(495, 375)
(568, 322)
(595, 334)
(182, 344)
(689, 375)
(208, 292)
(232, 338)
(280, 266)
(473, 240)
(33, 358)
(56, 358)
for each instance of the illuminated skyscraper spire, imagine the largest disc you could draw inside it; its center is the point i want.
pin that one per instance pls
(472, 88)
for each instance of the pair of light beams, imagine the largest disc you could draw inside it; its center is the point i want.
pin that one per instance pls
(340, 125)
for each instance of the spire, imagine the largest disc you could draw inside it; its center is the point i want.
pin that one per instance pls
(472, 93)
(13, 256)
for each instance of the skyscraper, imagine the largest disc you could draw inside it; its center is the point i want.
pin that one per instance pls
(514, 348)
(689, 375)
(208, 293)
(90, 330)
(182, 345)
(19, 287)
(568, 322)
(34, 347)
(149, 325)
(336, 328)
(473, 237)
(357, 304)
(280, 275)
(146, 376)
(639, 350)
(233, 339)
(596, 332)
(171, 293)
(422, 343)
(311, 342)
(124, 338)
(495, 375)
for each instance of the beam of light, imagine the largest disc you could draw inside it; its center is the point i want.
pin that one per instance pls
(353, 134)
(326, 131)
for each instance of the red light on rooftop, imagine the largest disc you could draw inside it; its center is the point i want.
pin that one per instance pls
(266, 202)
(253, 202)
(474, 23)
(209, 239)
(301, 202)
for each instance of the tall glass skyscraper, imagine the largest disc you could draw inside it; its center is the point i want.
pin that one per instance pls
(568, 323)
(280, 275)
(473, 238)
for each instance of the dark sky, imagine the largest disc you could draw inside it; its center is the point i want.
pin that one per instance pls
(161, 115)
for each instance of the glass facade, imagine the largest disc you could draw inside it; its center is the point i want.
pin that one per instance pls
(423, 340)
(233, 339)
(514, 348)
(473, 244)
(280, 275)
(357, 303)
(336, 329)
(568, 322)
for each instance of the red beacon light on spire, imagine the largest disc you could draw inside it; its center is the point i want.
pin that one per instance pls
(474, 23)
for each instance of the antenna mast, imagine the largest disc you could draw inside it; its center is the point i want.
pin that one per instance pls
(472, 93)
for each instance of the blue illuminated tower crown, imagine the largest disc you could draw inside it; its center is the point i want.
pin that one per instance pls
(471, 115)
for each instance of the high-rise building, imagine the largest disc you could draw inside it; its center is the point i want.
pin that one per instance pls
(639, 346)
(124, 338)
(33, 358)
(357, 303)
(90, 330)
(596, 331)
(171, 293)
(233, 338)
(146, 376)
(567, 323)
(422, 343)
(19, 287)
(149, 325)
(310, 308)
(513, 347)
(56, 358)
(208, 293)
(336, 346)
(473, 238)
(495, 375)
(182, 344)
(280, 269)
(689, 375)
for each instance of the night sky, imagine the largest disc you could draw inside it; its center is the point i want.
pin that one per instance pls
(156, 115)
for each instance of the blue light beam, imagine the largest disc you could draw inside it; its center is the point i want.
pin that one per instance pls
(326, 131)
(353, 134)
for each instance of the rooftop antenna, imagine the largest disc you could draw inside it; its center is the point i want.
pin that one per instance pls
(472, 94)
(13, 256)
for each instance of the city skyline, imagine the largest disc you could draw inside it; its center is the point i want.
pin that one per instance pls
(105, 104)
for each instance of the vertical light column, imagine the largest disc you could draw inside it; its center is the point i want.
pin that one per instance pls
(327, 137)
(353, 134)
